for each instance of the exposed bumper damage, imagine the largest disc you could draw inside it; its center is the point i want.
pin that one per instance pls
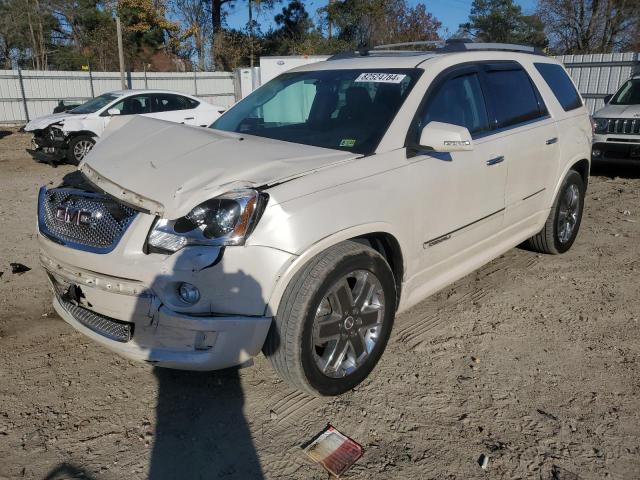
(129, 317)
(49, 144)
(128, 299)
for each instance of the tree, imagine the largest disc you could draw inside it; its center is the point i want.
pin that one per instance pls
(502, 21)
(195, 17)
(372, 22)
(294, 26)
(591, 26)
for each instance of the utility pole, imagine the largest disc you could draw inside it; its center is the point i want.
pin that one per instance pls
(120, 53)
(251, 34)
(330, 26)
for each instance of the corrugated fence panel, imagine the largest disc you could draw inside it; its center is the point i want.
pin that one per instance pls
(596, 76)
(600, 74)
(43, 89)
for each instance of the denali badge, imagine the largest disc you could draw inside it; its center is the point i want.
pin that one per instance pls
(73, 215)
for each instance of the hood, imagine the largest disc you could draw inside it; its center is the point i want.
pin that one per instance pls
(168, 168)
(43, 122)
(618, 111)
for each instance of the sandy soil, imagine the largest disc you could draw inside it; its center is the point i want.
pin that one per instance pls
(533, 360)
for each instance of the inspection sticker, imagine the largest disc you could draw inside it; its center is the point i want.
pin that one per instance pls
(380, 77)
(347, 142)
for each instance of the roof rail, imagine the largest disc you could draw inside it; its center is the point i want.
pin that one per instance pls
(431, 43)
(449, 46)
(466, 45)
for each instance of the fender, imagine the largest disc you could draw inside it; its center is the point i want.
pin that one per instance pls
(87, 126)
(289, 271)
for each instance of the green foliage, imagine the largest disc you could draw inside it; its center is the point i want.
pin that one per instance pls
(503, 21)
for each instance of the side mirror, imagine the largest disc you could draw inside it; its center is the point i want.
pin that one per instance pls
(608, 98)
(113, 111)
(445, 137)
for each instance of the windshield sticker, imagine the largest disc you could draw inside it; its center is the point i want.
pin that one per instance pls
(347, 142)
(380, 77)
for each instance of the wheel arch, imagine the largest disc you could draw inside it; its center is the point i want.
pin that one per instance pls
(378, 236)
(580, 165)
(77, 133)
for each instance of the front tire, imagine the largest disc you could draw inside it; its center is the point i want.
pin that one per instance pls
(334, 320)
(563, 223)
(79, 147)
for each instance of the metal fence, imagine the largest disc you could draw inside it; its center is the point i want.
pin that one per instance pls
(598, 75)
(27, 94)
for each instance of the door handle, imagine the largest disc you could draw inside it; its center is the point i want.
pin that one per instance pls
(553, 140)
(189, 118)
(495, 161)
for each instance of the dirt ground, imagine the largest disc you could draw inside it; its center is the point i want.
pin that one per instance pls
(533, 361)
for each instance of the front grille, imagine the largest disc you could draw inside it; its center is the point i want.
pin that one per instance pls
(82, 220)
(105, 326)
(628, 126)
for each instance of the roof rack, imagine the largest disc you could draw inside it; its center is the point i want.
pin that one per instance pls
(431, 43)
(449, 46)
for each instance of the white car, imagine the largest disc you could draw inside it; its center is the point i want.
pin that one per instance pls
(317, 208)
(71, 135)
(617, 125)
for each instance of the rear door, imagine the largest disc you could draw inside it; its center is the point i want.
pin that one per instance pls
(464, 192)
(174, 108)
(520, 120)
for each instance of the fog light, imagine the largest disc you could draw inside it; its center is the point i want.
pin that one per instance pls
(596, 153)
(188, 293)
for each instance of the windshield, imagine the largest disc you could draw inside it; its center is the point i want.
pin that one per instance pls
(629, 94)
(340, 109)
(95, 104)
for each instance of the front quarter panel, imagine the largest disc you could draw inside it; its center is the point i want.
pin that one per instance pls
(310, 214)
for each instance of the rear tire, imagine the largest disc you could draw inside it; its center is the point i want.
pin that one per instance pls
(334, 320)
(562, 225)
(79, 147)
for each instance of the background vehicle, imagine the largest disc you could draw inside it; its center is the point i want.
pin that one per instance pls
(617, 125)
(318, 207)
(72, 134)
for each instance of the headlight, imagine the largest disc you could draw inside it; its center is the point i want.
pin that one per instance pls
(601, 125)
(224, 220)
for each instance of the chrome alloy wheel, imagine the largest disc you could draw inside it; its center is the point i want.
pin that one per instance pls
(569, 212)
(347, 324)
(81, 148)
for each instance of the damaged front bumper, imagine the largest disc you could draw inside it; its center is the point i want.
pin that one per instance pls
(132, 305)
(128, 318)
(49, 144)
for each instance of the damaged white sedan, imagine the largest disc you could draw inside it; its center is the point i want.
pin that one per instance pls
(71, 135)
(315, 209)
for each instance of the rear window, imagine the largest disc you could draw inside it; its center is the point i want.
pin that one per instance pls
(561, 85)
(514, 98)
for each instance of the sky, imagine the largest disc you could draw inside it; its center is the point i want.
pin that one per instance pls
(450, 12)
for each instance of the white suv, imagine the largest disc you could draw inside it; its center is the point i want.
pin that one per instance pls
(617, 125)
(316, 209)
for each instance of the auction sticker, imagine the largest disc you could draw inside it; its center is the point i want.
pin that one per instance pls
(380, 77)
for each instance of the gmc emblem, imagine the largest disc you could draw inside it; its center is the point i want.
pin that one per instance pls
(73, 215)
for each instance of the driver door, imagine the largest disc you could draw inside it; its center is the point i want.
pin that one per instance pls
(463, 194)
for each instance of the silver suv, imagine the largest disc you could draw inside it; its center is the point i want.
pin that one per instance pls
(316, 209)
(617, 125)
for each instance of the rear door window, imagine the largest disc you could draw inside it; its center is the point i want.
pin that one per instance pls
(136, 105)
(459, 101)
(561, 85)
(168, 103)
(514, 98)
